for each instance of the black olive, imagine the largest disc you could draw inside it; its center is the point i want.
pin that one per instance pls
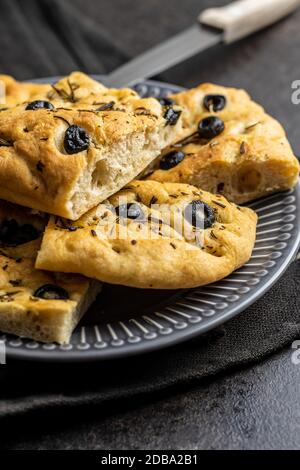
(13, 234)
(210, 127)
(166, 101)
(199, 214)
(76, 140)
(172, 116)
(216, 102)
(130, 211)
(51, 292)
(171, 159)
(39, 104)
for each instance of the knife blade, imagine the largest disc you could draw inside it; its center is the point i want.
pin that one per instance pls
(226, 24)
(173, 51)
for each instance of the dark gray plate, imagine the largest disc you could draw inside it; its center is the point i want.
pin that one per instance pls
(125, 321)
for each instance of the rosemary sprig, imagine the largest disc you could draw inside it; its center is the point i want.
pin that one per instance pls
(250, 126)
(191, 139)
(212, 235)
(219, 204)
(62, 119)
(8, 296)
(64, 94)
(104, 106)
(153, 200)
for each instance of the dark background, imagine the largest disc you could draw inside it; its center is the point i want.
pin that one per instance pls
(255, 406)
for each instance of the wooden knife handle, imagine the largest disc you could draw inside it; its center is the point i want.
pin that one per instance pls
(244, 17)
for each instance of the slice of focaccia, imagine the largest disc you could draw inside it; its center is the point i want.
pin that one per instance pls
(230, 146)
(36, 304)
(79, 143)
(153, 235)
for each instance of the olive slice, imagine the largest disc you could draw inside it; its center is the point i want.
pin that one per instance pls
(39, 104)
(171, 159)
(199, 214)
(51, 292)
(210, 127)
(130, 211)
(76, 140)
(172, 116)
(214, 102)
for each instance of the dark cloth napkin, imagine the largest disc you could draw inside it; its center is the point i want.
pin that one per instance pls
(52, 37)
(37, 398)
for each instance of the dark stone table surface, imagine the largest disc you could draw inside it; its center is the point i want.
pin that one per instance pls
(257, 407)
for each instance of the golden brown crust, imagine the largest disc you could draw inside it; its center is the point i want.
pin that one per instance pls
(73, 90)
(20, 312)
(153, 253)
(16, 92)
(35, 169)
(249, 159)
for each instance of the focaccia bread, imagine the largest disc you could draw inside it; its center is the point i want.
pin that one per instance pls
(230, 146)
(36, 304)
(67, 153)
(71, 91)
(153, 235)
